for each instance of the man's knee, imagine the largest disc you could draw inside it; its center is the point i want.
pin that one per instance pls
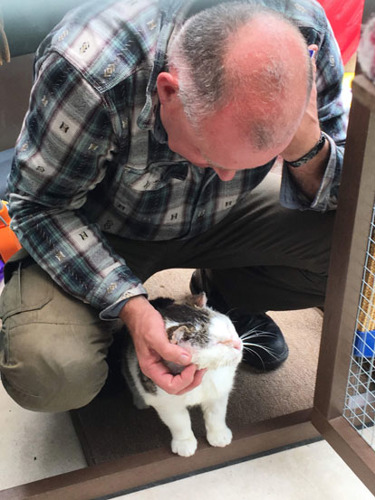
(43, 375)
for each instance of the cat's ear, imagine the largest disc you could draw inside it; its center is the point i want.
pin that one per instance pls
(161, 303)
(176, 333)
(200, 300)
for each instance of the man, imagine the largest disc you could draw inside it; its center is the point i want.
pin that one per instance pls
(130, 162)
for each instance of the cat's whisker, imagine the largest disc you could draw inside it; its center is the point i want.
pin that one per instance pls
(247, 343)
(256, 354)
(267, 349)
(231, 311)
(249, 335)
(254, 329)
(255, 334)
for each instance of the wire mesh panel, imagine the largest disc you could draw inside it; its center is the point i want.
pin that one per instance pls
(359, 407)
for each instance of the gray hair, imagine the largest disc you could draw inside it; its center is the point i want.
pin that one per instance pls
(197, 53)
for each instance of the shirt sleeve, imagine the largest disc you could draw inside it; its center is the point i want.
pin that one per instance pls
(333, 118)
(64, 149)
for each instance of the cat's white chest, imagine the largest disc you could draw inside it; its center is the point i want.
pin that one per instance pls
(212, 395)
(215, 383)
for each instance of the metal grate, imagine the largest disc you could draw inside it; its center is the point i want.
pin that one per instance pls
(359, 407)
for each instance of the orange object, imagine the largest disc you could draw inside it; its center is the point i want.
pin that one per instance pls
(9, 243)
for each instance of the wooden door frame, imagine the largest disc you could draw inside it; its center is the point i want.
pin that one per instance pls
(350, 239)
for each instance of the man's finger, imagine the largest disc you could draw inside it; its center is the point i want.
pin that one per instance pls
(171, 352)
(173, 384)
(199, 374)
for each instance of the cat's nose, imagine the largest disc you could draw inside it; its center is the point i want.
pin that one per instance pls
(235, 343)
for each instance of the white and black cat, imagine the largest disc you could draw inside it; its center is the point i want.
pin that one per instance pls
(215, 345)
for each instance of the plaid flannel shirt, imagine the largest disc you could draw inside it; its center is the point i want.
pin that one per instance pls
(92, 156)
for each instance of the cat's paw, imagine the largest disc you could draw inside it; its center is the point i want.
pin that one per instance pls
(220, 437)
(184, 447)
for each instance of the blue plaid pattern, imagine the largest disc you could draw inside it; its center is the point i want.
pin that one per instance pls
(92, 157)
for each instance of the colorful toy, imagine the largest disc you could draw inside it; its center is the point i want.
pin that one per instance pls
(9, 243)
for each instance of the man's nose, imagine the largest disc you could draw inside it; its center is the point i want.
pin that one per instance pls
(225, 175)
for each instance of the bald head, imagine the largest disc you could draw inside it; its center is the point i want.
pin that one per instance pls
(246, 58)
(267, 75)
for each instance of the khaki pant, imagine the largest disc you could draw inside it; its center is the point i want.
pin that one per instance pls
(262, 257)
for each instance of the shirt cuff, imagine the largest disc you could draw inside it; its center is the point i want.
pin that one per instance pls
(113, 311)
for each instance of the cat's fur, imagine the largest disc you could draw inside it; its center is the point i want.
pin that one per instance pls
(215, 345)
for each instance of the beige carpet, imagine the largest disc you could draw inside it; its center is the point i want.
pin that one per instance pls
(110, 428)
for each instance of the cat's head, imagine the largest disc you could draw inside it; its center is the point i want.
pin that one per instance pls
(209, 335)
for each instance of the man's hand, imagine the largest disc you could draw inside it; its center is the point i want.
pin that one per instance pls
(147, 329)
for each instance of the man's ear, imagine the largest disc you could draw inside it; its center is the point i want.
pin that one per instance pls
(167, 86)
